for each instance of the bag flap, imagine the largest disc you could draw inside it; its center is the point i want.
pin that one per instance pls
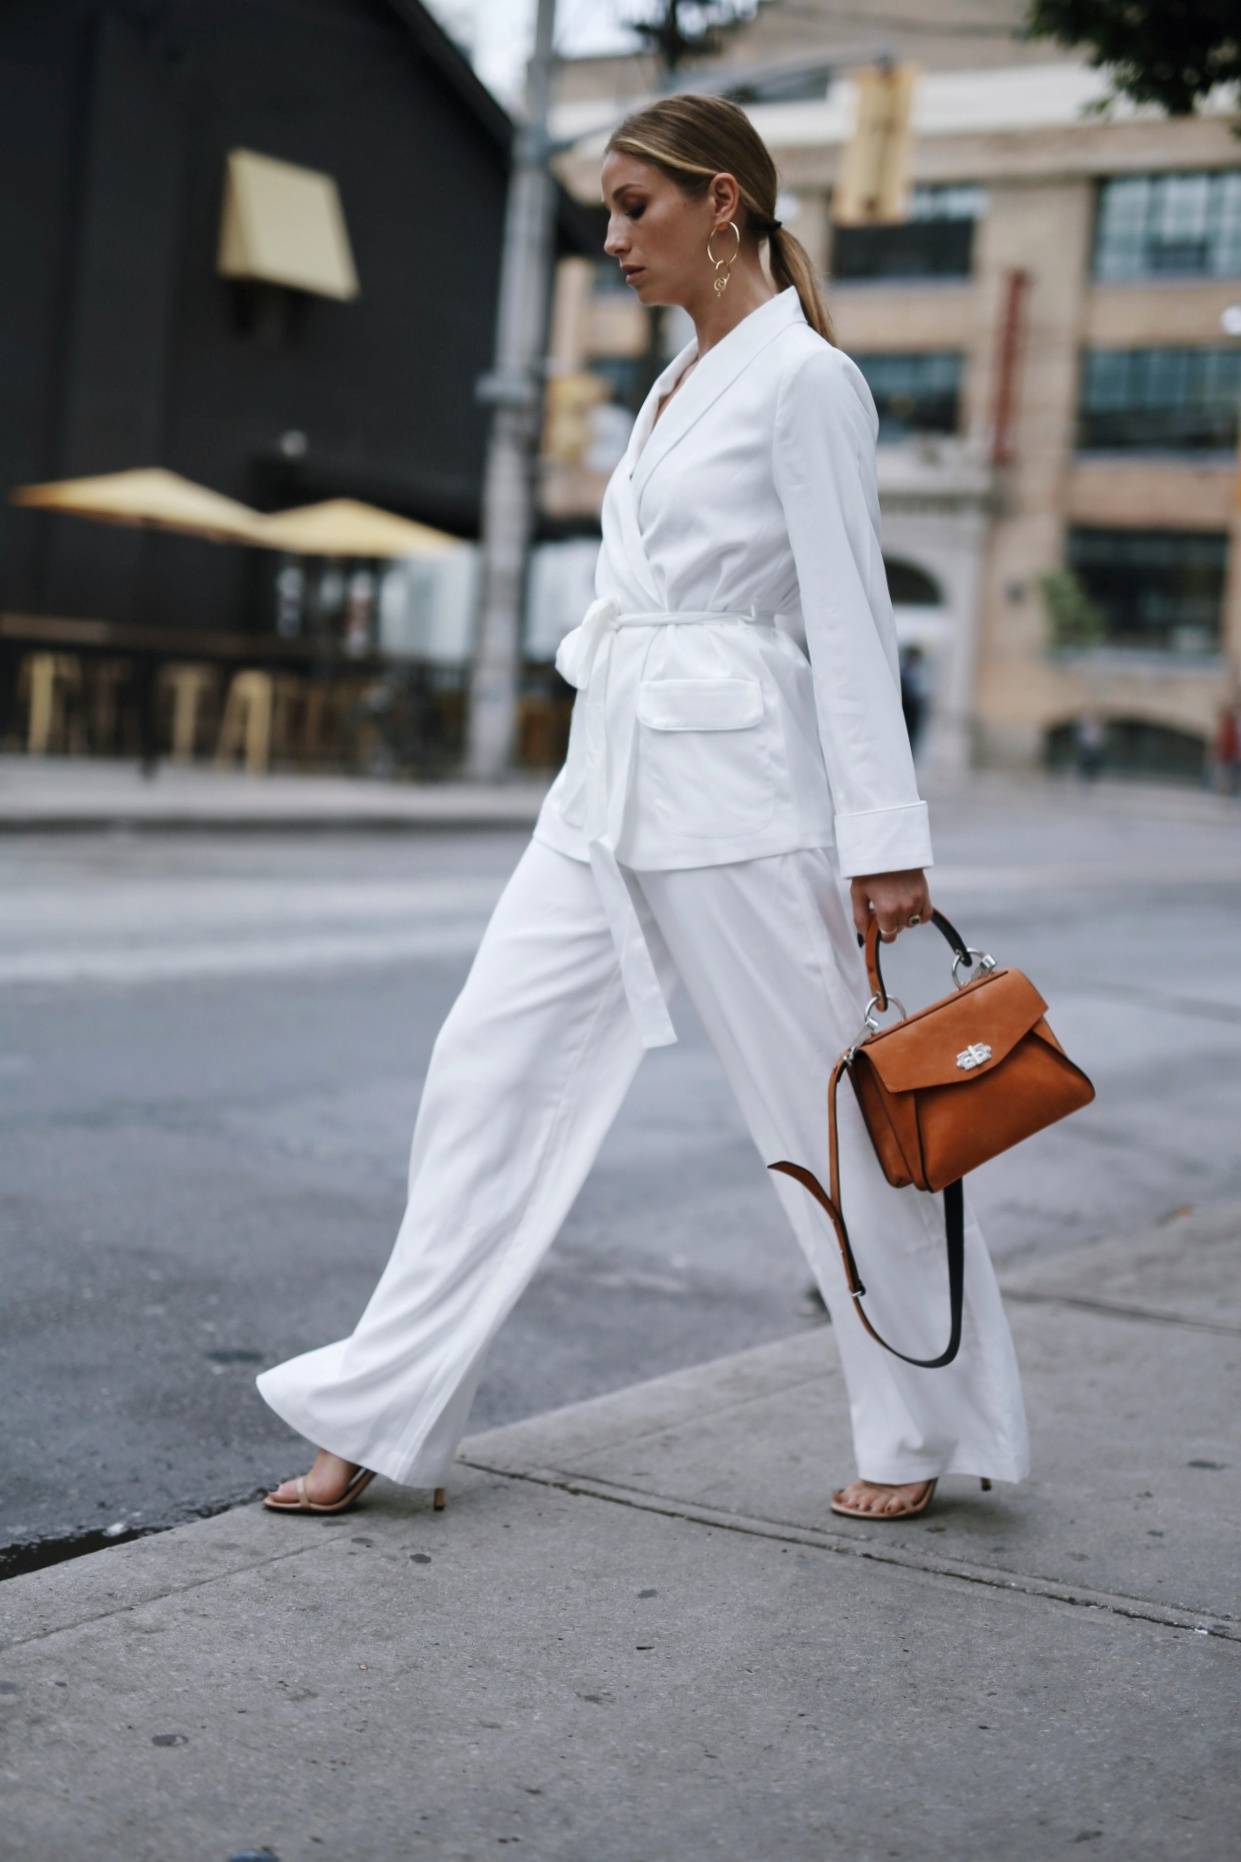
(959, 1038)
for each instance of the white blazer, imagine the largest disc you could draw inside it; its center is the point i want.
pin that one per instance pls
(754, 495)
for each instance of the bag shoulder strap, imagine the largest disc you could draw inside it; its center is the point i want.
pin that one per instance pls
(954, 1223)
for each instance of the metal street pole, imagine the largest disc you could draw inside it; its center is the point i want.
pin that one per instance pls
(514, 390)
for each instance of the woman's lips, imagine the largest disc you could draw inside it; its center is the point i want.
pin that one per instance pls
(636, 273)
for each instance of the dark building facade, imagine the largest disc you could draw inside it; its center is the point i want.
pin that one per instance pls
(122, 343)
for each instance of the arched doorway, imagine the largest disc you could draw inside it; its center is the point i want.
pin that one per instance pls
(921, 617)
(1133, 747)
(911, 586)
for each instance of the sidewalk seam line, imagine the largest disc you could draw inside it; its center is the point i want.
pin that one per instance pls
(159, 1596)
(1219, 1624)
(1112, 1310)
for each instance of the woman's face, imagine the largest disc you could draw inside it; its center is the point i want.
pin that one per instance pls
(655, 233)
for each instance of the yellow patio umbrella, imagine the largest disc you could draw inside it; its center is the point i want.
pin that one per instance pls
(146, 495)
(345, 527)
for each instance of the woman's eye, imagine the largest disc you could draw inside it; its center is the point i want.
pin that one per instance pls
(635, 213)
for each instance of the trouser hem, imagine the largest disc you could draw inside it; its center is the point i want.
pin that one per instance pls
(388, 1462)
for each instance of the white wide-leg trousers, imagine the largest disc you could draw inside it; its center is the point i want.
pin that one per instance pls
(526, 1075)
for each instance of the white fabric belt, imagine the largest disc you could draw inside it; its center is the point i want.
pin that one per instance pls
(577, 662)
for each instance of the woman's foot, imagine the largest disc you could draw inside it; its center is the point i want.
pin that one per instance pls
(883, 1499)
(325, 1482)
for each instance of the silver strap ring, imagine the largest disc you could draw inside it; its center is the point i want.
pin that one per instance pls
(868, 1020)
(985, 962)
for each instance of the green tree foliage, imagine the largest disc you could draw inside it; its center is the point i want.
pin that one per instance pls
(1165, 52)
(1073, 619)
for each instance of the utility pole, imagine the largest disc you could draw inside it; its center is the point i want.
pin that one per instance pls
(674, 43)
(514, 391)
(514, 388)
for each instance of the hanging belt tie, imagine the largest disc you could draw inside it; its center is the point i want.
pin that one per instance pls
(576, 658)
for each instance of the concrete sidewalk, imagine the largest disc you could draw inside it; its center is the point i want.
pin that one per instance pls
(42, 794)
(63, 793)
(678, 1651)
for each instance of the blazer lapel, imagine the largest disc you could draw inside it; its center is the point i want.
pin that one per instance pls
(717, 370)
(640, 432)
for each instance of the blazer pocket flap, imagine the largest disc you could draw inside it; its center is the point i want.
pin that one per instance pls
(699, 704)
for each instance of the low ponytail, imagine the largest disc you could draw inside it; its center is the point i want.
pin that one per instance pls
(791, 265)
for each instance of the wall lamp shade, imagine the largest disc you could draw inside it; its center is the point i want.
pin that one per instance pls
(282, 224)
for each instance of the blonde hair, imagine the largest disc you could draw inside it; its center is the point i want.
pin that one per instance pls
(690, 138)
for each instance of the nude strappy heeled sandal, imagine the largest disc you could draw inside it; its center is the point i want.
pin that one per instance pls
(917, 1505)
(357, 1482)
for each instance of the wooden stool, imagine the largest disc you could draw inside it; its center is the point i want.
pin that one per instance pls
(53, 683)
(321, 730)
(258, 716)
(104, 679)
(192, 684)
(537, 732)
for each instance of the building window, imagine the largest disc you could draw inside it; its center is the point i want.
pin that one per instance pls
(1158, 589)
(937, 240)
(916, 393)
(1159, 400)
(609, 280)
(1177, 225)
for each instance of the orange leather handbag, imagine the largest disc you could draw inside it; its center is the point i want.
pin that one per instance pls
(943, 1090)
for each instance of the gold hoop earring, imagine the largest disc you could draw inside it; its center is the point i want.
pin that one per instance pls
(723, 267)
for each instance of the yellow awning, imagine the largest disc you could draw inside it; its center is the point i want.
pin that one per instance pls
(285, 225)
(344, 527)
(146, 495)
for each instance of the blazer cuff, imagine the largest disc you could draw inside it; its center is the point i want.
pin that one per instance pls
(883, 840)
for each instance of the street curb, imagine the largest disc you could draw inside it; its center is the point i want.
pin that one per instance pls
(357, 821)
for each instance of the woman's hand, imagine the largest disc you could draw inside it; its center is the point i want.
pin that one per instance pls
(895, 898)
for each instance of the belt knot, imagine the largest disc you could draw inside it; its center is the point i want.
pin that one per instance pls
(576, 653)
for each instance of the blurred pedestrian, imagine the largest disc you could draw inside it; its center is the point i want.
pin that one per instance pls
(913, 691)
(719, 785)
(1089, 742)
(1226, 749)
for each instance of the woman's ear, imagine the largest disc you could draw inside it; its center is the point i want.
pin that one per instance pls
(725, 196)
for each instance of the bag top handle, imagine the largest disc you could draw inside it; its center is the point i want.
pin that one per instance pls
(871, 941)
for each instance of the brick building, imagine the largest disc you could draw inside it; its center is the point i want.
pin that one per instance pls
(1045, 340)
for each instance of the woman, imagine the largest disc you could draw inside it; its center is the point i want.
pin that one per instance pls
(719, 784)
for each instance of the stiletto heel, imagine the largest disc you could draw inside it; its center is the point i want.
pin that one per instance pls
(438, 1500)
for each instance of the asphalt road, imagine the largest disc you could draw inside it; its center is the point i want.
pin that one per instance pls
(211, 1052)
